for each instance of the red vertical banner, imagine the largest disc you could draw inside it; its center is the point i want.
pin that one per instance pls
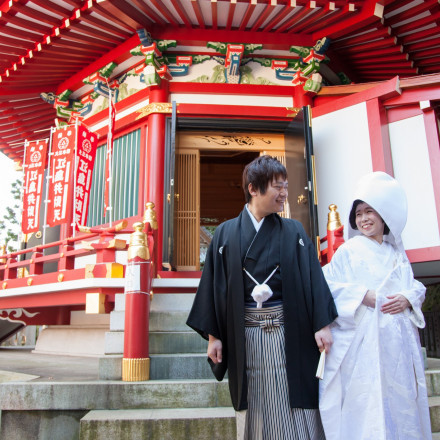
(61, 186)
(86, 153)
(108, 163)
(35, 163)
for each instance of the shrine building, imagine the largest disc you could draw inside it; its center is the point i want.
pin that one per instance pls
(129, 111)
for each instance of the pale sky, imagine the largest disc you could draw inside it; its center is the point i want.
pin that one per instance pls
(8, 175)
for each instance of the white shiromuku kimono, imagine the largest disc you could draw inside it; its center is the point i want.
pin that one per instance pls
(374, 384)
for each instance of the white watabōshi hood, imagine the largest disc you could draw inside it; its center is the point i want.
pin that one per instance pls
(385, 194)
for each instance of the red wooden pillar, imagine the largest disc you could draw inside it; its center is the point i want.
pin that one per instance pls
(302, 98)
(156, 158)
(136, 361)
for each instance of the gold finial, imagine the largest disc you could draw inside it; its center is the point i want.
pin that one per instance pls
(334, 221)
(150, 215)
(138, 243)
(2, 252)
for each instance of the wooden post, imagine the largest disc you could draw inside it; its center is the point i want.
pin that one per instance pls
(136, 361)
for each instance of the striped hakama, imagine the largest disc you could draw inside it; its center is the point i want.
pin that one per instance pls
(269, 416)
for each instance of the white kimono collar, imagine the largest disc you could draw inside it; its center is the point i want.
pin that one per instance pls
(257, 225)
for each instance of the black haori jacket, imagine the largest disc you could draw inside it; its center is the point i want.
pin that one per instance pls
(218, 309)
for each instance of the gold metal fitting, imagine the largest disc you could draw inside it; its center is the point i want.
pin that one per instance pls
(138, 243)
(60, 277)
(135, 370)
(84, 229)
(4, 285)
(150, 215)
(334, 221)
(122, 225)
(30, 281)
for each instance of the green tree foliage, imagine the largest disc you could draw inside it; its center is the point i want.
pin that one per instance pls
(10, 223)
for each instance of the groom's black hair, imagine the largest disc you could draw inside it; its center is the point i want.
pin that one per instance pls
(260, 172)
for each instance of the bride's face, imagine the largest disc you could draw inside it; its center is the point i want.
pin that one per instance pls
(369, 222)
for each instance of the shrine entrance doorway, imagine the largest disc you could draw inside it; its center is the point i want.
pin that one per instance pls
(207, 185)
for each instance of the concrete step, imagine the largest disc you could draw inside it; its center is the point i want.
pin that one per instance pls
(182, 366)
(169, 320)
(82, 340)
(177, 342)
(165, 342)
(434, 412)
(112, 395)
(433, 382)
(164, 320)
(159, 424)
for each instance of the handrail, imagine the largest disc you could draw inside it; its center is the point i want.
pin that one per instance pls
(104, 248)
(40, 247)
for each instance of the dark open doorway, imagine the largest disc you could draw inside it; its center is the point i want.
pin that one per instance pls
(221, 193)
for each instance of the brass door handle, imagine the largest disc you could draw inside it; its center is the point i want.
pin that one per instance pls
(176, 197)
(302, 199)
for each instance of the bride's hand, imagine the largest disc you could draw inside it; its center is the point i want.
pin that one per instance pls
(397, 304)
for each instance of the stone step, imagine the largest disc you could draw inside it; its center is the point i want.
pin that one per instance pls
(169, 321)
(434, 412)
(171, 342)
(433, 382)
(177, 342)
(160, 424)
(112, 395)
(165, 320)
(182, 366)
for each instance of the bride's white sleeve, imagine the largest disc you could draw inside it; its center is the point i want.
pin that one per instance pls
(347, 292)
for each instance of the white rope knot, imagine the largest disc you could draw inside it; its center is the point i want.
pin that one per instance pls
(261, 292)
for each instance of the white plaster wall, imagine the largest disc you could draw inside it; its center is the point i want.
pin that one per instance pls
(263, 101)
(342, 155)
(413, 170)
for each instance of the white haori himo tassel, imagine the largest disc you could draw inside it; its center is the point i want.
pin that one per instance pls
(261, 292)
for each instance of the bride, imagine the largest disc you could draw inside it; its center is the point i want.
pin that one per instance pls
(374, 383)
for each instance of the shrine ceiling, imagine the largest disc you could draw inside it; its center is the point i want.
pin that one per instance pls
(46, 45)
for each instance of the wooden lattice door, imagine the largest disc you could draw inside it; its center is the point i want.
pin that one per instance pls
(187, 210)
